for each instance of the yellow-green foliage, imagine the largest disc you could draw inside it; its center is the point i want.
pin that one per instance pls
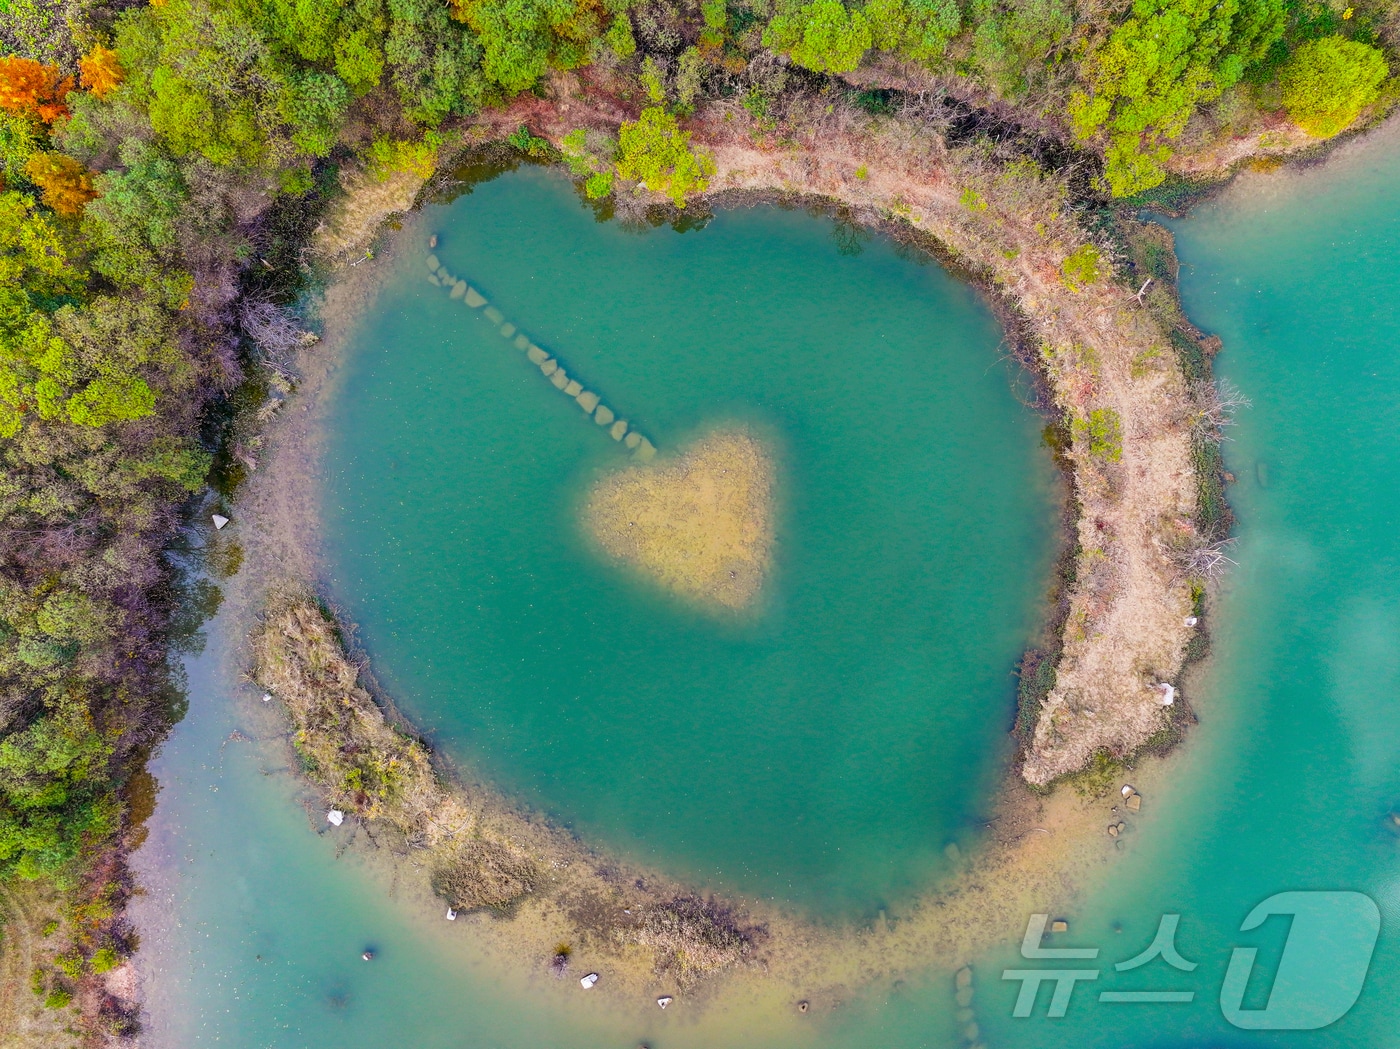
(1081, 267)
(1327, 83)
(1142, 84)
(654, 151)
(388, 157)
(1101, 431)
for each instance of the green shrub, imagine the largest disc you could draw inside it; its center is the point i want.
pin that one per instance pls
(1102, 431)
(1328, 82)
(654, 151)
(58, 998)
(387, 157)
(104, 959)
(1081, 266)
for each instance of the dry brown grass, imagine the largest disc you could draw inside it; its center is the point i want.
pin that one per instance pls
(357, 214)
(701, 525)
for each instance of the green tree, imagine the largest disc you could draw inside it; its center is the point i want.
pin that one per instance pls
(1328, 82)
(522, 39)
(822, 35)
(1016, 44)
(434, 62)
(654, 151)
(1142, 85)
(917, 29)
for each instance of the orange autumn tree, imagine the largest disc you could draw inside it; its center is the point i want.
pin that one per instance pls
(102, 71)
(66, 184)
(27, 86)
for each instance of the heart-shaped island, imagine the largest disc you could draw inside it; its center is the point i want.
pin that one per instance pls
(700, 524)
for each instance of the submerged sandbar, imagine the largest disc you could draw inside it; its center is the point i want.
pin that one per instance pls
(700, 525)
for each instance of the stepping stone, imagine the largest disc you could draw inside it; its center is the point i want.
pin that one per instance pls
(619, 429)
(459, 289)
(494, 315)
(588, 400)
(521, 343)
(474, 298)
(536, 355)
(963, 978)
(432, 279)
(1133, 803)
(507, 330)
(633, 439)
(603, 416)
(433, 262)
(549, 367)
(646, 451)
(560, 379)
(574, 388)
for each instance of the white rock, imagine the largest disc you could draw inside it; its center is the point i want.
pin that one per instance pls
(219, 521)
(1128, 790)
(267, 697)
(1167, 692)
(335, 817)
(1191, 620)
(664, 1000)
(451, 915)
(588, 981)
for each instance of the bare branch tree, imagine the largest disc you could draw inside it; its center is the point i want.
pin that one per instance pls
(275, 336)
(1208, 561)
(1215, 406)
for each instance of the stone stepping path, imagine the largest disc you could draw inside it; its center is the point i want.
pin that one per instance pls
(606, 418)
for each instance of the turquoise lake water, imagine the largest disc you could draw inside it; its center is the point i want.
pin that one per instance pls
(824, 749)
(253, 927)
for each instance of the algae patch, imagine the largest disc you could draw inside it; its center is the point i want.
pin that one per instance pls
(701, 525)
